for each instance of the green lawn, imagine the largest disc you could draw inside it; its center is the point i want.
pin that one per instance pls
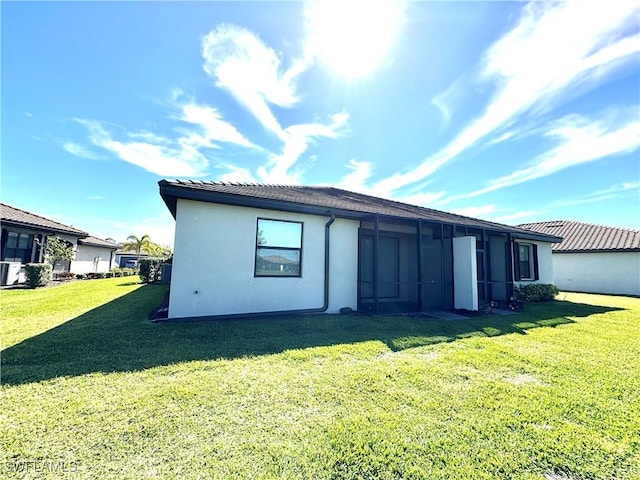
(92, 389)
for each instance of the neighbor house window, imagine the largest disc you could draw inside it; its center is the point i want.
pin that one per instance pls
(278, 248)
(18, 247)
(526, 261)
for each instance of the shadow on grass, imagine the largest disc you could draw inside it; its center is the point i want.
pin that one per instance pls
(118, 337)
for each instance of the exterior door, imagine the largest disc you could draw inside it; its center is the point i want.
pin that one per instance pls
(431, 278)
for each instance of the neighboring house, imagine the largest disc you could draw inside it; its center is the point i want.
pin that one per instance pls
(24, 235)
(593, 258)
(244, 249)
(94, 255)
(128, 258)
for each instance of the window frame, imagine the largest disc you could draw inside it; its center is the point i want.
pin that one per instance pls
(27, 252)
(256, 274)
(532, 260)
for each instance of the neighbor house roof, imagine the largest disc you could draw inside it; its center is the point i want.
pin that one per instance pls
(98, 242)
(320, 201)
(587, 237)
(14, 216)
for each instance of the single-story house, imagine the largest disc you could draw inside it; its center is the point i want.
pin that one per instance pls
(94, 255)
(593, 258)
(24, 235)
(128, 258)
(248, 249)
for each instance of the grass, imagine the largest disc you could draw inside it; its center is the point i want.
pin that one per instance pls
(91, 389)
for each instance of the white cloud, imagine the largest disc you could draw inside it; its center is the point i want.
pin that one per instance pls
(213, 127)
(516, 217)
(476, 211)
(159, 159)
(251, 71)
(356, 179)
(296, 141)
(614, 191)
(81, 151)
(580, 142)
(554, 48)
(423, 199)
(236, 174)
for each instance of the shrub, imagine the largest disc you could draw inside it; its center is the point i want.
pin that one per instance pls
(127, 272)
(80, 276)
(108, 275)
(150, 269)
(536, 292)
(38, 274)
(101, 275)
(117, 272)
(65, 275)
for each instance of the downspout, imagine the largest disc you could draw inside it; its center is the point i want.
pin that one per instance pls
(277, 313)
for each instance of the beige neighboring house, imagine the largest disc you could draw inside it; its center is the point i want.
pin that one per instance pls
(593, 258)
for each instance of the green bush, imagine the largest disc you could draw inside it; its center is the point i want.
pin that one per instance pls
(127, 272)
(150, 269)
(101, 275)
(109, 275)
(80, 276)
(38, 274)
(536, 292)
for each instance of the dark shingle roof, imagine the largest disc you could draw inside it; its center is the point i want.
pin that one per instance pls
(15, 216)
(587, 237)
(98, 242)
(319, 200)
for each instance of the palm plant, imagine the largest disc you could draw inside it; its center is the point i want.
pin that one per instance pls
(137, 244)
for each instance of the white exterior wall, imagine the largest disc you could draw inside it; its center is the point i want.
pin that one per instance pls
(545, 264)
(603, 272)
(214, 255)
(465, 273)
(84, 259)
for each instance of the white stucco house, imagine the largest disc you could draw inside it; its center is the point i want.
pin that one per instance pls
(94, 255)
(593, 258)
(247, 249)
(24, 234)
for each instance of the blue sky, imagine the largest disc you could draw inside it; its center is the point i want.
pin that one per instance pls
(507, 111)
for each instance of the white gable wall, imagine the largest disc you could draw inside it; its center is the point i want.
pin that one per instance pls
(84, 261)
(598, 272)
(214, 255)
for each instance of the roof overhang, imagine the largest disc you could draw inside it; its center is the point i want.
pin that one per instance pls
(43, 230)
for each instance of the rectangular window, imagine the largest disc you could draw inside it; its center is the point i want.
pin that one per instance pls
(278, 248)
(526, 261)
(524, 252)
(18, 247)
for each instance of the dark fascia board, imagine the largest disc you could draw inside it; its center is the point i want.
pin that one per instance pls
(171, 193)
(83, 241)
(536, 236)
(43, 230)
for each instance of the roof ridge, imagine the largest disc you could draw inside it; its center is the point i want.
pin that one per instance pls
(578, 222)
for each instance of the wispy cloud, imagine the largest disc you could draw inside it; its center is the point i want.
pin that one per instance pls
(355, 180)
(296, 141)
(251, 71)
(539, 63)
(614, 191)
(212, 127)
(476, 211)
(81, 151)
(163, 160)
(517, 217)
(580, 142)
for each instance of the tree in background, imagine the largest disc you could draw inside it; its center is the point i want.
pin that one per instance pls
(158, 251)
(137, 244)
(57, 250)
